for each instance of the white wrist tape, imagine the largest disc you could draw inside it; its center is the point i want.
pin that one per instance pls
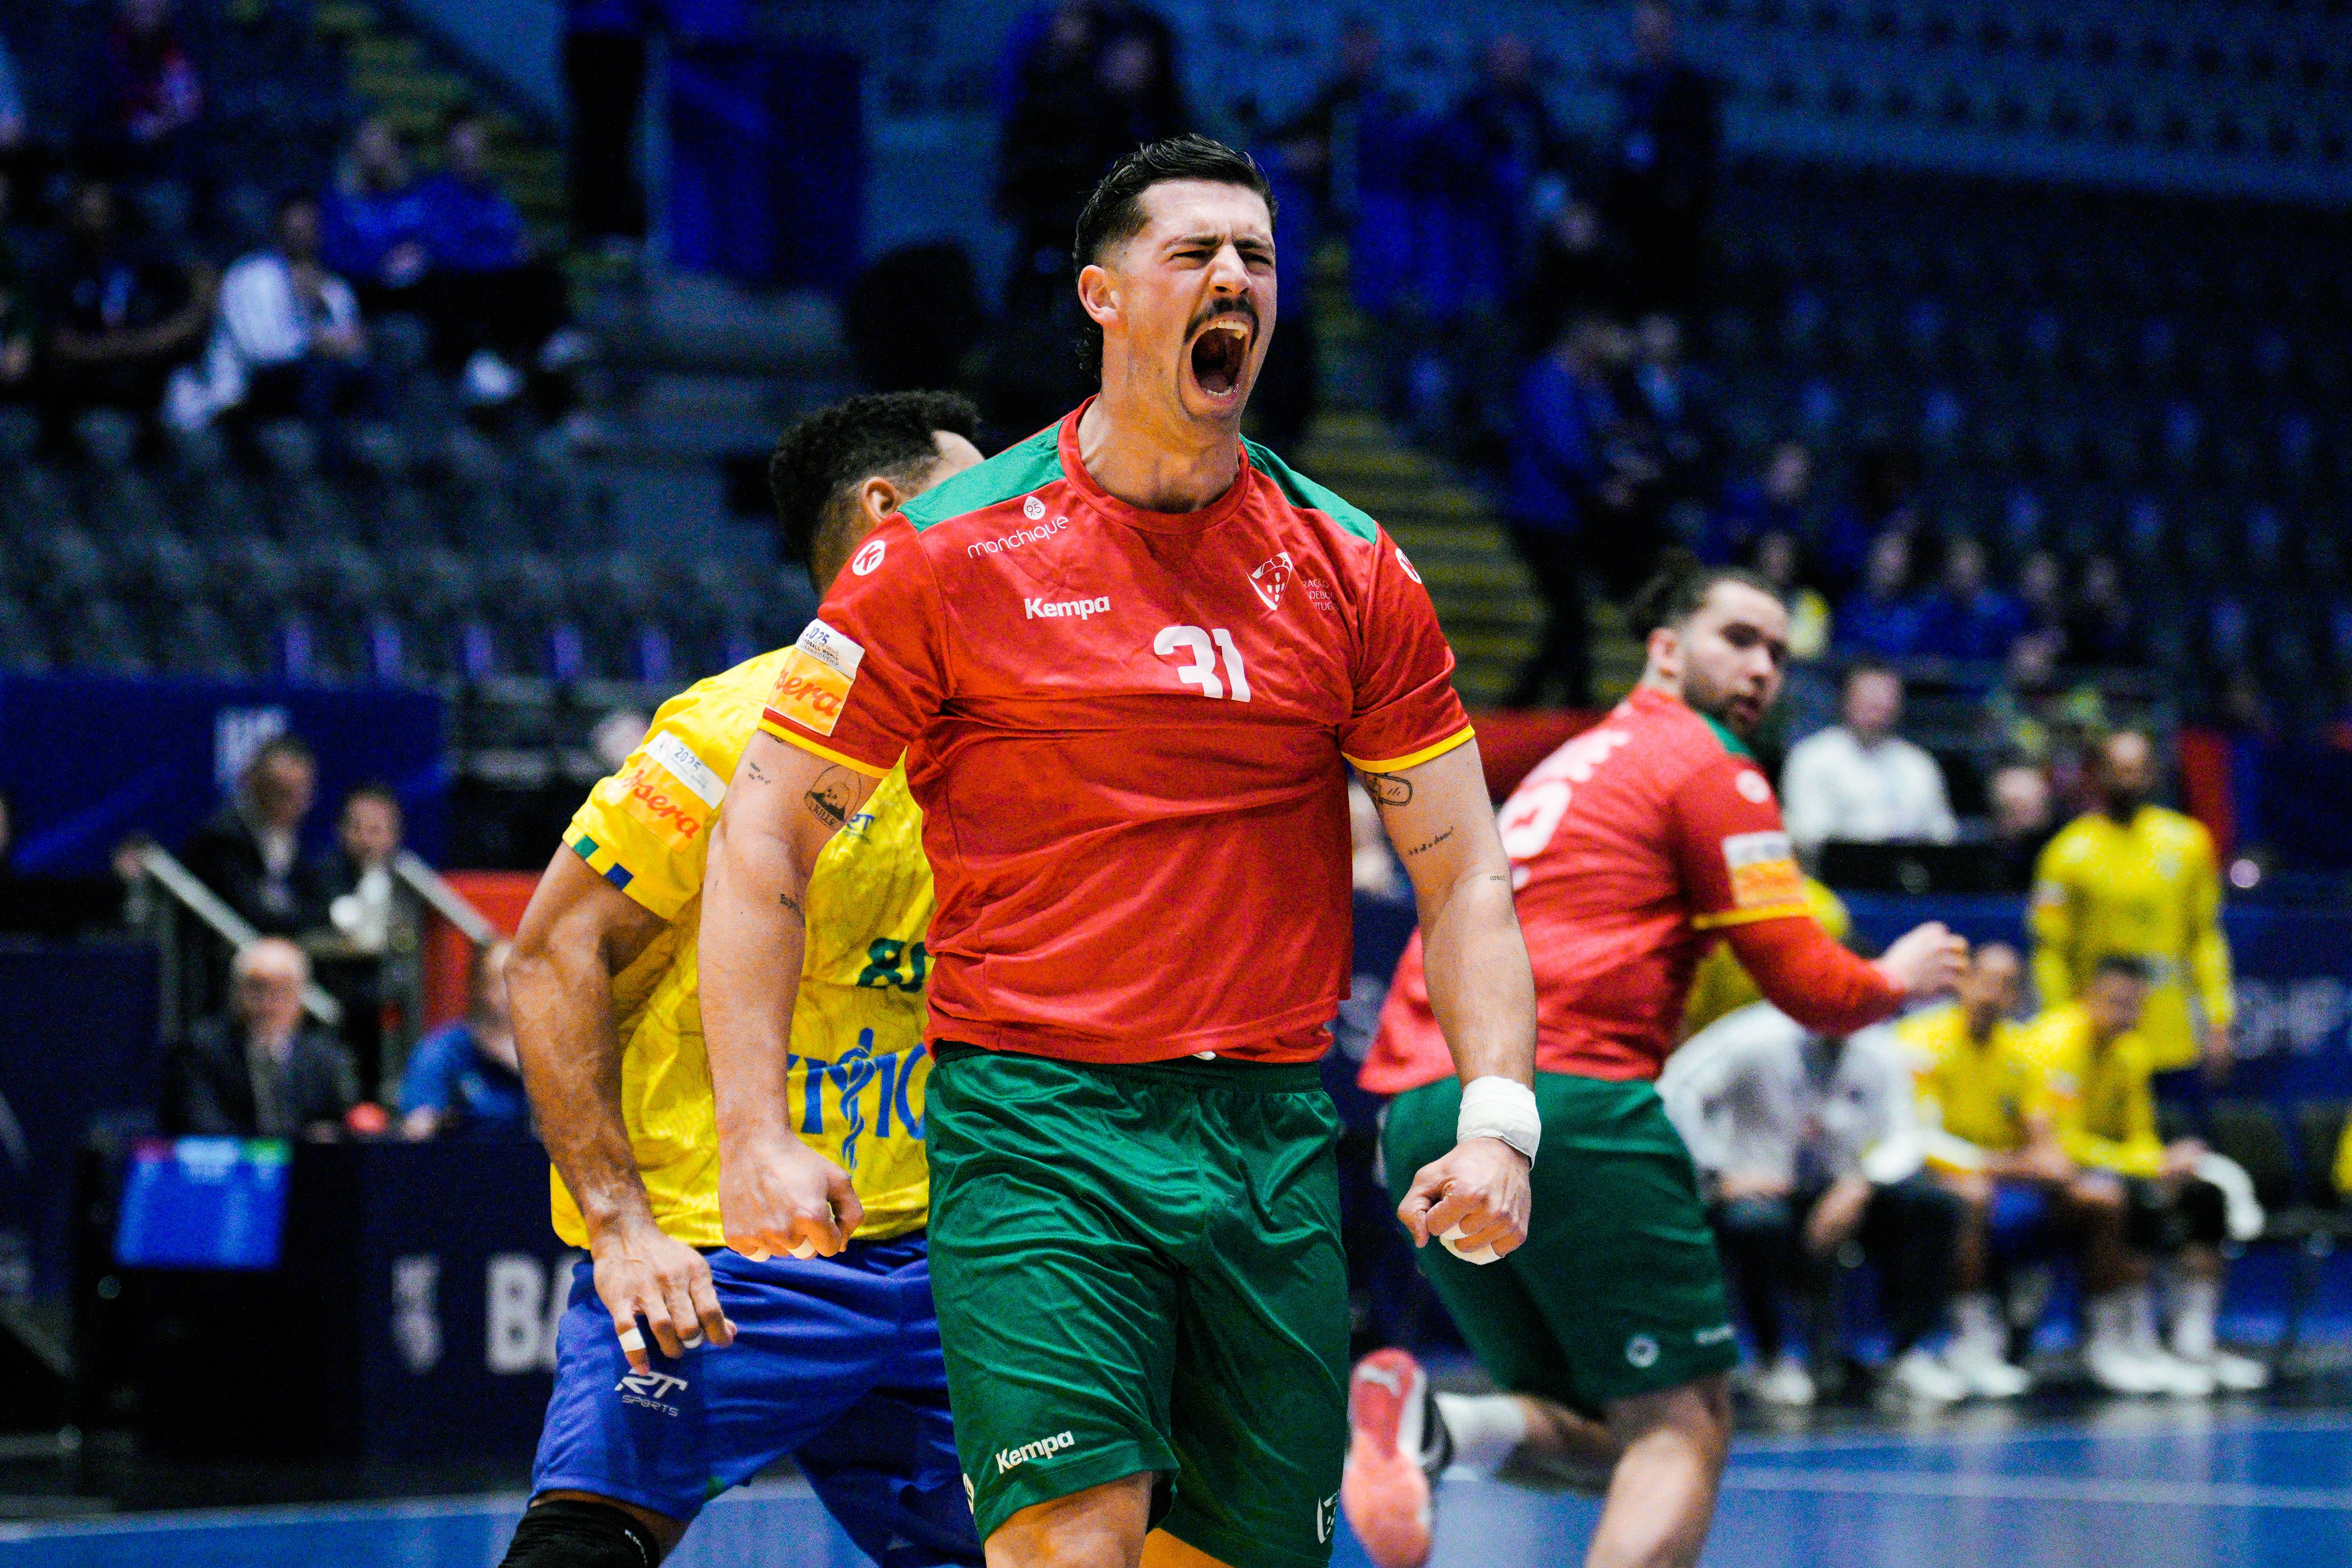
(1500, 1107)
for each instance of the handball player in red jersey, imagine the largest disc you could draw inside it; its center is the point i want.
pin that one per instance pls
(1634, 849)
(1130, 662)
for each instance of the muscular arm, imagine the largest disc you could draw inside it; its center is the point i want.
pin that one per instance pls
(1810, 977)
(1480, 986)
(578, 934)
(784, 805)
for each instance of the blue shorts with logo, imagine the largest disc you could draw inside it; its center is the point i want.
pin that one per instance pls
(835, 1362)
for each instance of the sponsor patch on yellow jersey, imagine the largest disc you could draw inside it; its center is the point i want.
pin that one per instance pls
(817, 673)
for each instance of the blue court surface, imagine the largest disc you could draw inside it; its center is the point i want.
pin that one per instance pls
(2138, 1485)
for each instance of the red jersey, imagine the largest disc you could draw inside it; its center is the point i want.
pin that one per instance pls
(1631, 846)
(1129, 733)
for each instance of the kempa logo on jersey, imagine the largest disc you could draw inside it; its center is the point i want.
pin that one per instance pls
(1043, 531)
(1040, 609)
(1044, 1447)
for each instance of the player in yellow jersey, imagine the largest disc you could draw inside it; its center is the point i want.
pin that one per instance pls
(2135, 877)
(2095, 1071)
(683, 1369)
(1990, 1142)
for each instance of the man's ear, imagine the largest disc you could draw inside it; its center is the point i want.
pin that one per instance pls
(1098, 294)
(877, 497)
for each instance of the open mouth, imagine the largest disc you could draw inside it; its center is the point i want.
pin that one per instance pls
(1219, 353)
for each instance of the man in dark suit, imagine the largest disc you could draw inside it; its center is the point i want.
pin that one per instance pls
(251, 852)
(260, 1071)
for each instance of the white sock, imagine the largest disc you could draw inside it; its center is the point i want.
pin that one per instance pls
(1976, 1321)
(1485, 1429)
(2110, 1317)
(2196, 1302)
(2139, 1318)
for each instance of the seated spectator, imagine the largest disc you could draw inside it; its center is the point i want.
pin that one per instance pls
(1861, 783)
(465, 1078)
(1992, 1146)
(372, 223)
(149, 101)
(1777, 562)
(289, 341)
(493, 305)
(1969, 618)
(2023, 820)
(2101, 625)
(2095, 1072)
(1563, 494)
(1806, 1143)
(121, 315)
(249, 854)
(367, 957)
(1882, 618)
(259, 1070)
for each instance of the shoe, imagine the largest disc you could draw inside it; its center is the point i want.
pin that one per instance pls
(1983, 1370)
(2115, 1366)
(2181, 1379)
(1384, 1490)
(1922, 1377)
(1785, 1383)
(2231, 1372)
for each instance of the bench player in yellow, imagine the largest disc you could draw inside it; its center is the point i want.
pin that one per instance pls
(683, 1369)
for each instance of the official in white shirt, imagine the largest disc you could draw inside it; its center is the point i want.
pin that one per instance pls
(1807, 1144)
(288, 340)
(1861, 783)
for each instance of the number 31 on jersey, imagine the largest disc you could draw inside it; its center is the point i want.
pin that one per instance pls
(1204, 647)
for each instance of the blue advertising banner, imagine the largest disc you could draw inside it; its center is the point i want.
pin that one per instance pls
(86, 762)
(2294, 981)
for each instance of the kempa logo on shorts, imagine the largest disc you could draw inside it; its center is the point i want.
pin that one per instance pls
(1044, 1447)
(1642, 1351)
(1041, 609)
(1015, 539)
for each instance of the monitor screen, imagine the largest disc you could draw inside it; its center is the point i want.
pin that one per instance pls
(202, 1203)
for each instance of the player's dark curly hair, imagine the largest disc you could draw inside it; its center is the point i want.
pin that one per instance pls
(827, 454)
(1115, 212)
(1679, 588)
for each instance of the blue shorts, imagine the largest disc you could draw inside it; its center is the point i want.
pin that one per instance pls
(835, 1362)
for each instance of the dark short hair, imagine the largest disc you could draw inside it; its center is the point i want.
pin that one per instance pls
(1115, 211)
(374, 789)
(830, 452)
(1680, 585)
(291, 746)
(2130, 965)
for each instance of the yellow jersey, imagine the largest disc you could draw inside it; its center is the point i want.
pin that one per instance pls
(858, 1070)
(2099, 1099)
(2151, 890)
(1719, 987)
(1981, 1094)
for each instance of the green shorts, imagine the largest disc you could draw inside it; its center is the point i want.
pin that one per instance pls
(1618, 1290)
(1138, 1268)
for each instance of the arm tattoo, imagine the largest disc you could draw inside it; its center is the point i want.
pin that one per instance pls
(754, 769)
(1430, 844)
(793, 904)
(828, 799)
(1387, 789)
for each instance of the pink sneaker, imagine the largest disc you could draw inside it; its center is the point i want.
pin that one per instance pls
(1383, 1490)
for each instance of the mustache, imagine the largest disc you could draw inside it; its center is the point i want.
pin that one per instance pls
(1236, 307)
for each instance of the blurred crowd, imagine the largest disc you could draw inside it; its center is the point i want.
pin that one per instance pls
(142, 282)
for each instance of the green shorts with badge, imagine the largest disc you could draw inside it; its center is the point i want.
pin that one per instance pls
(1618, 1290)
(1138, 1268)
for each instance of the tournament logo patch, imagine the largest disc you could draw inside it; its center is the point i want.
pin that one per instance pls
(1763, 870)
(1271, 578)
(815, 678)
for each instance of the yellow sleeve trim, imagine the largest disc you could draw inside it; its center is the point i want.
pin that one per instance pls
(1748, 917)
(1397, 764)
(770, 726)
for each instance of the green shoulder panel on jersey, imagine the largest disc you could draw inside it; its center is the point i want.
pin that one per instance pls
(1016, 472)
(1303, 491)
(1731, 743)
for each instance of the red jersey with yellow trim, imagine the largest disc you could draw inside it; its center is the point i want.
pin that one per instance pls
(1631, 846)
(1129, 732)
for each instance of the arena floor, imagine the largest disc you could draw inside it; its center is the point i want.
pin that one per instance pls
(2247, 1485)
